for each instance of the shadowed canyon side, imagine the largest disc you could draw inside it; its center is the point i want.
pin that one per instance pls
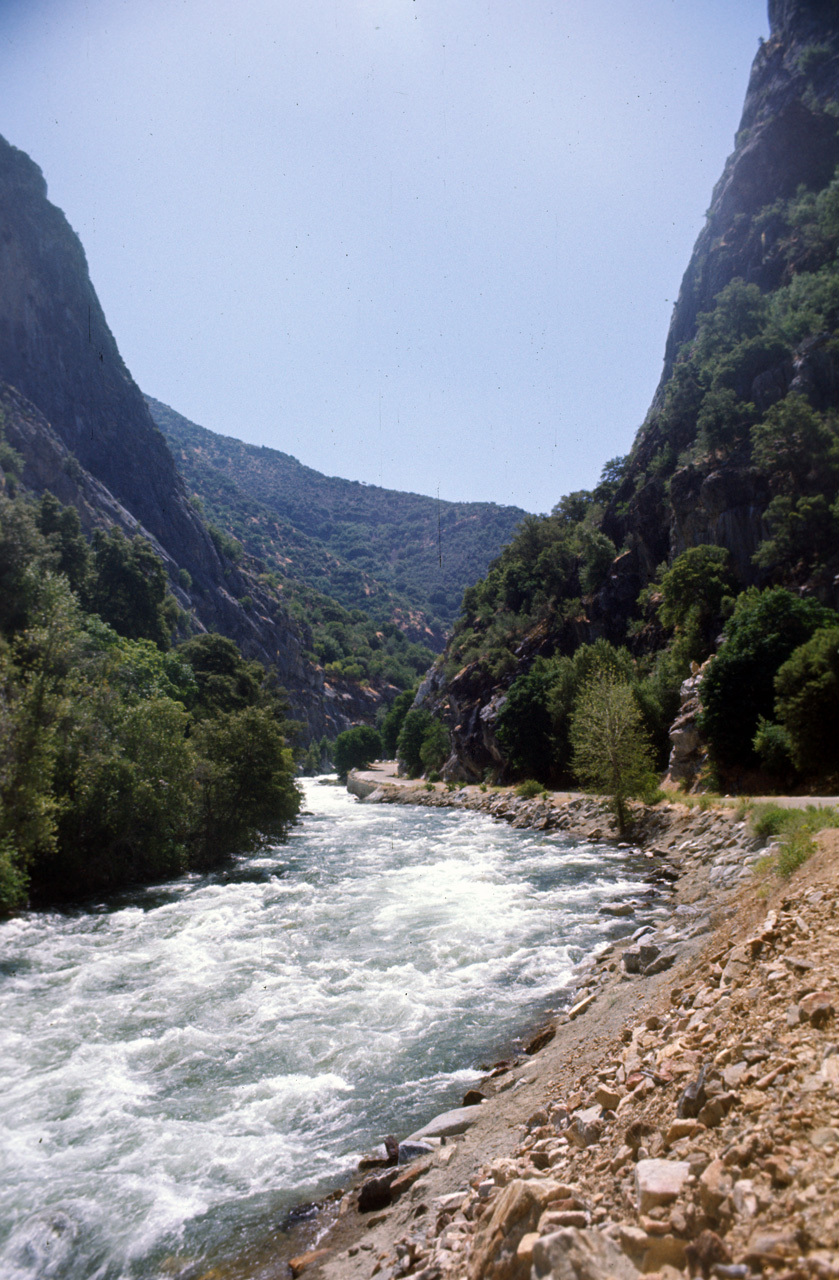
(85, 433)
(738, 449)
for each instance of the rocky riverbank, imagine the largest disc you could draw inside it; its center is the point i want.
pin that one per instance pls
(681, 1117)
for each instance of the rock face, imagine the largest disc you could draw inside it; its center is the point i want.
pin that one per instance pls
(57, 350)
(85, 432)
(787, 137)
(674, 494)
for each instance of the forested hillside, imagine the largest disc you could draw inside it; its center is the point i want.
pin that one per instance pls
(725, 512)
(400, 557)
(122, 759)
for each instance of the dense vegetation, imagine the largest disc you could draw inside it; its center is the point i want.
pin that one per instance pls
(122, 759)
(752, 398)
(399, 559)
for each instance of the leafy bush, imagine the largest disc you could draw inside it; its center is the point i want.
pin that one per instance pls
(807, 701)
(392, 721)
(435, 747)
(773, 747)
(529, 789)
(356, 748)
(423, 743)
(794, 828)
(739, 686)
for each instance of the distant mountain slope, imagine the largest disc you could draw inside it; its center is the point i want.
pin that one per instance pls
(398, 556)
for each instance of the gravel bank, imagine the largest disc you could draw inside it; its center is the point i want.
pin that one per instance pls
(587, 1159)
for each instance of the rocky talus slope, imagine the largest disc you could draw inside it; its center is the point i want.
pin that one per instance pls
(681, 1118)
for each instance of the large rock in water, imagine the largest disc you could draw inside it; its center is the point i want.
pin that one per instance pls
(86, 434)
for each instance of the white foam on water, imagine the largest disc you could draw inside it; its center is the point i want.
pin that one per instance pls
(181, 1065)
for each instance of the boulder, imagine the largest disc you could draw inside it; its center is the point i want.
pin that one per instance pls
(409, 1151)
(447, 1125)
(515, 1214)
(714, 1185)
(659, 1182)
(577, 1254)
(375, 1193)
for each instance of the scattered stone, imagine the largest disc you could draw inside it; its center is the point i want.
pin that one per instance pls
(581, 1006)
(659, 965)
(825, 1137)
(663, 1251)
(575, 1254)
(448, 1124)
(714, 1185)
(583, 1132)
(682, 1129)
(303, 1260)
(659, 1182)
(693, 1098)
(542, 1038)
(606, 1097)
(771, 1248)
(817, 1008)
(375, 1192)
(407, 1178)
(473, 1098)
(515, 1214)
(706, 1253)
(637, 1134)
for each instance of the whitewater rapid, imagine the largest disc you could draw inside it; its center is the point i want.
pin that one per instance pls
(181, 1065)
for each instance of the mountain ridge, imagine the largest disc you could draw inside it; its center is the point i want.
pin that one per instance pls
(736, 460)
(392, 552)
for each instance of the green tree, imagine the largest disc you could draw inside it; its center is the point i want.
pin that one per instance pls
(739, 685)
(807, 701)
(62, 529)
(435, 747)
(692, 593)
(247, 793)
(393, 720)
(128, 587)
(356, 748)
(225, 681)
(524, 728)
(797, 446)
(411, 736)
(612, 752)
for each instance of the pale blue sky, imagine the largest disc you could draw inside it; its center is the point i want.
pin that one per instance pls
(428, 244)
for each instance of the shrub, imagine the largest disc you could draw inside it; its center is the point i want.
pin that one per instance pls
(739, 686)
(356, 748)
(807, 701)
(773, 746)
(529, 789)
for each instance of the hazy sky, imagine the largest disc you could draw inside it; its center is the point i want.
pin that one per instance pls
(428, 244)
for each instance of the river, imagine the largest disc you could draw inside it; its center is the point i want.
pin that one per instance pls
(181, 1065)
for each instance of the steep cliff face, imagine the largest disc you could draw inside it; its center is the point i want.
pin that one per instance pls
(787, 140)
(85, 432)
(737, 450)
